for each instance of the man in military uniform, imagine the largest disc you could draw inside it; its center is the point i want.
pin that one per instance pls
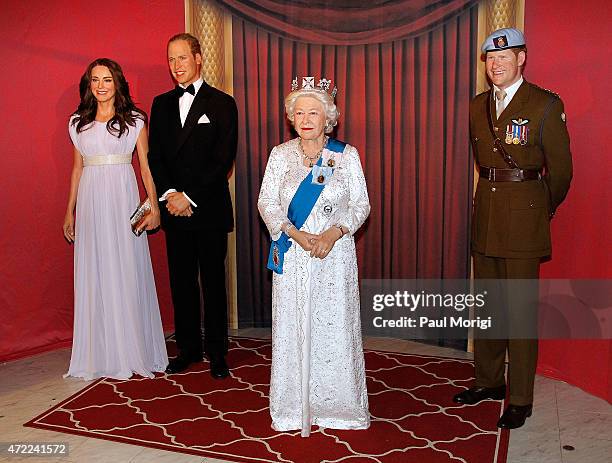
(521, 146)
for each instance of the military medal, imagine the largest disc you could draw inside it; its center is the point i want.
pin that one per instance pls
(520, 132)
(320, 179)
(515, 135)
(524, 133)
(331, 162)
(508, 135)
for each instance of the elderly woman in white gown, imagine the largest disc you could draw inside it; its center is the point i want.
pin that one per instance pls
(313, 199)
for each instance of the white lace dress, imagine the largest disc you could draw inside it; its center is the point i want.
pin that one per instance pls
(318, 375)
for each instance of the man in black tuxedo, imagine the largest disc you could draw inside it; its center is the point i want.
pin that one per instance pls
(192, 147)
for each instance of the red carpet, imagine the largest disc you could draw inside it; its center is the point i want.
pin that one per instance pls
(413, 418)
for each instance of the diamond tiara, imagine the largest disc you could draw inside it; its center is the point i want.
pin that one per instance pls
(308, 83)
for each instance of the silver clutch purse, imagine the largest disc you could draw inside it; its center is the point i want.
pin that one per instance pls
(139, 214)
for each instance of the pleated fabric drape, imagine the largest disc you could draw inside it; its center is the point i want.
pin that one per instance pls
(404, 105)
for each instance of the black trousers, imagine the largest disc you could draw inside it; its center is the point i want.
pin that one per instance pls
(490, 354)
(197, 258)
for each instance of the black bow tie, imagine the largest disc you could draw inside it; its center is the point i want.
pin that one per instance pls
(180, 91)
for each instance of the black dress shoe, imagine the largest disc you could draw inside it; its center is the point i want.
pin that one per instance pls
(181, 363)
(514, 416)
(474, 395)
(218, 367)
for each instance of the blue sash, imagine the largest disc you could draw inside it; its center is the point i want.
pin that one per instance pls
(300, 207)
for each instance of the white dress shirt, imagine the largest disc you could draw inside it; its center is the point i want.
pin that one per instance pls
(186, 100)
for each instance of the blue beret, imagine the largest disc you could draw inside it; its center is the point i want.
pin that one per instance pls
(503, 39)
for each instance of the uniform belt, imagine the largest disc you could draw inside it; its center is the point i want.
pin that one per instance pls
(509, 175)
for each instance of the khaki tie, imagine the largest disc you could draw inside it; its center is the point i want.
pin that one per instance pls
(500, 95)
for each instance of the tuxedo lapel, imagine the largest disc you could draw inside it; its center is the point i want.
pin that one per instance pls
(174, 116)
(196, 110)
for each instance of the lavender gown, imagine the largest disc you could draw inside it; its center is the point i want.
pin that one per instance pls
(117, 326)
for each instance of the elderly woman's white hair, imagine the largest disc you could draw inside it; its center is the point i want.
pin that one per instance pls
(331, 111)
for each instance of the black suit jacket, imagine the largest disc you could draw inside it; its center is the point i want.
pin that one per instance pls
(196, 158)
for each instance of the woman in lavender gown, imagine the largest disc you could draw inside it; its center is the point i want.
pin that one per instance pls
(117, 325)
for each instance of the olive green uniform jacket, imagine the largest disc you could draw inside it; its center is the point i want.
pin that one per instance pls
(511, 219)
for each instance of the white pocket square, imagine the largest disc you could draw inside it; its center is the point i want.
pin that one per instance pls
(204, 119)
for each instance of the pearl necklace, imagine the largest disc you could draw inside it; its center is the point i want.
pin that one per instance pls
(312, 160)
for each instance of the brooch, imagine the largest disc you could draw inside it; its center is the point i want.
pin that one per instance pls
(321, 174)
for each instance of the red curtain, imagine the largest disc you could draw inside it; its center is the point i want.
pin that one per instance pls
(404, 105)
(51, 44)
(346, 22)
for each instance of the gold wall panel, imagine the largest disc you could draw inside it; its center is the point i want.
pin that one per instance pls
(206, 20)
(501, 13)
(493, 15)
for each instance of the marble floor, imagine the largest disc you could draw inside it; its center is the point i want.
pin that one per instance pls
(568, 425)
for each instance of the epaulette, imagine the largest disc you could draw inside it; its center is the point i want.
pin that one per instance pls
(547, 91)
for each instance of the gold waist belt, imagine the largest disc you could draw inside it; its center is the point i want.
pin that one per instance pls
(105, 159)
